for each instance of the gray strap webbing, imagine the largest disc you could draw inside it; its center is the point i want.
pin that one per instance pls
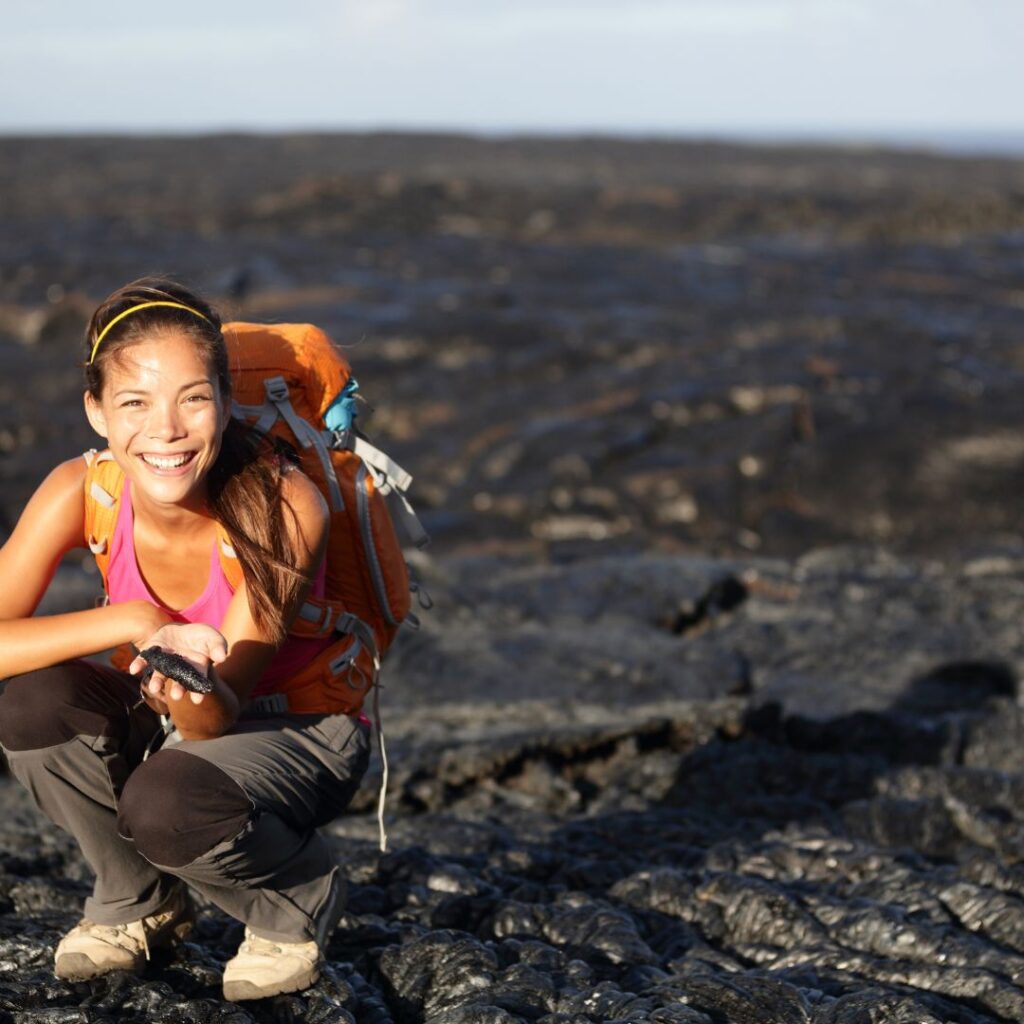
(312, 613)
(265, 415)
(277, 393)
(353, 625)
(346, 623)
(388, 477)
(92, 456)
(347, 658)
(105, 499)
(267, 418)
(403, 514)
(374, 457)
(337, 501)
(268, 704)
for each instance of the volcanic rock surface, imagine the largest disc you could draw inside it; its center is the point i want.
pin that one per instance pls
(715, 715)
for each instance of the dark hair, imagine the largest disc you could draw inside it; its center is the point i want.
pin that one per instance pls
(244, 484)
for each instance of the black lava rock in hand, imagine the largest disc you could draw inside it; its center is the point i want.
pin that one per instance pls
(175, 667)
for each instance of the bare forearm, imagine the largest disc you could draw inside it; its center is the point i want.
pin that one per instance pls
(41, 641)
(211, 717)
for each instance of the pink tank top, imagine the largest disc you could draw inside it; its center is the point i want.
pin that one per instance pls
(125, 583)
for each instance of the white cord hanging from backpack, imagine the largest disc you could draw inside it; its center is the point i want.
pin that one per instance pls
(379, 728)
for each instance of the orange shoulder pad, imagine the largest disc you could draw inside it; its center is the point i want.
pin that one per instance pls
(104, 482)
(229, 563)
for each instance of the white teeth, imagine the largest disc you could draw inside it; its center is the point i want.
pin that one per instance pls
(169, 462)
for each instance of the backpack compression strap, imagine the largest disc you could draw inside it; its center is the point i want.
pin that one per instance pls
(389, 478)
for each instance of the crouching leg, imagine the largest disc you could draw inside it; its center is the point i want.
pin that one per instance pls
(236, 818)
(72, 735)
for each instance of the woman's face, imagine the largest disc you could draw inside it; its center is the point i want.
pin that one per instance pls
(163, 416)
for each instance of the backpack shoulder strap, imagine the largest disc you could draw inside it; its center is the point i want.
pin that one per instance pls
(229, 563)
(104, 482)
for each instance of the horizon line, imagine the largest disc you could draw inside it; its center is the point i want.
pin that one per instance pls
(973, 140)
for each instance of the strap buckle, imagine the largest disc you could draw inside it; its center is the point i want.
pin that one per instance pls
(268, 704)
(276, 388)
(339, 440)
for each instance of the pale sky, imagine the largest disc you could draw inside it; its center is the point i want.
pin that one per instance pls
(835, 67)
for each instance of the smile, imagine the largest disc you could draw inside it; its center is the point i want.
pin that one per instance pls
(168, 461)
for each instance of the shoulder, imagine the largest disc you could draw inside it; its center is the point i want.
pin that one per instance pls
(65, 485)
(309, 518)
(52, 523)
(55, 514)
(302, 494)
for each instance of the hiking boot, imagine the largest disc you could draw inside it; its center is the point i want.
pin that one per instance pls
(92, 949)
(262, 968)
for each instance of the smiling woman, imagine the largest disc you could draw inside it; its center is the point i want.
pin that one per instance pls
(166, 788)
(158, 387)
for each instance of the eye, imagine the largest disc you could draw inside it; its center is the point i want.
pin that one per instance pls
(199, 398)
(130, 403)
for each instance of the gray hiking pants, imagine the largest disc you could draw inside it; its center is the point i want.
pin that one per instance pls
(234, 817)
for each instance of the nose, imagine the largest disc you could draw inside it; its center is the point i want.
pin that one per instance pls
(164, 422)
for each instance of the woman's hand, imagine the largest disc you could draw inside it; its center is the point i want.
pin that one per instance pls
(199, 644)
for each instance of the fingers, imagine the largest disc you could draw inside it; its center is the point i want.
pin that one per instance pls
(165, 689)
(177, 692)
(213, 646)
(216, 648)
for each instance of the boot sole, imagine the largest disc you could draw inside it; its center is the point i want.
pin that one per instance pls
(78, 967)
(246, 991)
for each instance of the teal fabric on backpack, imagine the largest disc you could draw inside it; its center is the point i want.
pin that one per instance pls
(342, 411)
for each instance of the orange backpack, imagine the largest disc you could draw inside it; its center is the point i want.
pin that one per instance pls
(285, 378)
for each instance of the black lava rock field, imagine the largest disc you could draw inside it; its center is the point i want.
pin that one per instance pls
(715, 716)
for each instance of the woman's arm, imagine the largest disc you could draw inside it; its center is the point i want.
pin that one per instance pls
(52, 524)
(248, 652)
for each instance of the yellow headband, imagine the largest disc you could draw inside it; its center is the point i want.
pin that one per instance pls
(135, 309)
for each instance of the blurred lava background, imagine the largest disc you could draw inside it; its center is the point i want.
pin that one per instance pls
(636, 345)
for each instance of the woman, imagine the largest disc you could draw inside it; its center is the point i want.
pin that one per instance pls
(228, 801)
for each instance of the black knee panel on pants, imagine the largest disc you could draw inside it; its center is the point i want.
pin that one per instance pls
(176, 807)
(53, 705)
